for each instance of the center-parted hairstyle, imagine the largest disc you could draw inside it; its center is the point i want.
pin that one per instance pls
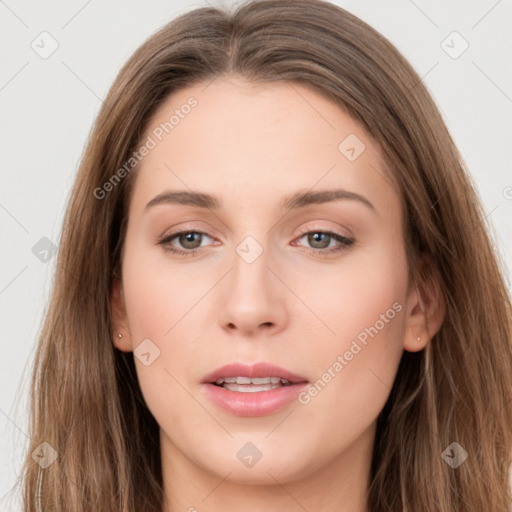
(85, 399)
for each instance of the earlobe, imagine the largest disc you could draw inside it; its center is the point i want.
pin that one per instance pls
(425, 308)
(120, 335)
(416, 333)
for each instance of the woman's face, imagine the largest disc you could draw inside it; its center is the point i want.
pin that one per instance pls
(272, 268)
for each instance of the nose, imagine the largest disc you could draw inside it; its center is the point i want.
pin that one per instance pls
(253, 298)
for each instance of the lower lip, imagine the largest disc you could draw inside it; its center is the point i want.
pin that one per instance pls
(259, 403)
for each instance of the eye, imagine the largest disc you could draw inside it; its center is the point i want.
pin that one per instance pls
(326, 242)
(189, 240)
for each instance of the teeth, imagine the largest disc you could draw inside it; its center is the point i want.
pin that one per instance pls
(255, 380)
(251, 389)
(261, 380)
(242, 380)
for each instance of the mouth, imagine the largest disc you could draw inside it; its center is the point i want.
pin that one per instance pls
(252, 390)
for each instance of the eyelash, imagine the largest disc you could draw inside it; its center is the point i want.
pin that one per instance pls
(345, 242)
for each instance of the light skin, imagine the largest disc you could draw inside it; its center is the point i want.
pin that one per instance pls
(251, 146)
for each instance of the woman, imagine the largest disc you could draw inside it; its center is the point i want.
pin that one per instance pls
(339, 339)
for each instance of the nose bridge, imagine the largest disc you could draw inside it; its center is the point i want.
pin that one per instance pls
(250, 272)
(251, 297)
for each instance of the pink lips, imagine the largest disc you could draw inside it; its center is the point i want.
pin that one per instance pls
(258, 403)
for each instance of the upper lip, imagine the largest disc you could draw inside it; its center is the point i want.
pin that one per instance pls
(263, 369)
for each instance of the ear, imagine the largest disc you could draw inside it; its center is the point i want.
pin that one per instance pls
(426, 307)
(119, 318)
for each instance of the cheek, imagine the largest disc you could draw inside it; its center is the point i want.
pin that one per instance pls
(356, 368)
(157, 303)
(157, 293)
(161, 305)
(351, 296)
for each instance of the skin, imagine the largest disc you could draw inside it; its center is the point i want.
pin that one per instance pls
(251, 145)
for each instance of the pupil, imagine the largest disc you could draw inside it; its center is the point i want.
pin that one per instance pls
(188, 239)
(314, 238)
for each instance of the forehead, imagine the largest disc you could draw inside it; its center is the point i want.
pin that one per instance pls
(255, 142)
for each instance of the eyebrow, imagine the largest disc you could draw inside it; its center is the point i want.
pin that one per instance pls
(299, 199)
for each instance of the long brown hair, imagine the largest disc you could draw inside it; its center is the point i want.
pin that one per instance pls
(85, 399)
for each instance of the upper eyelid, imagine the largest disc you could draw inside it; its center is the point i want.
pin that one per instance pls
(313, 229)
(317, 227)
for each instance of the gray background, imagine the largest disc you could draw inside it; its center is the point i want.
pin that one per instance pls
(49, 105)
